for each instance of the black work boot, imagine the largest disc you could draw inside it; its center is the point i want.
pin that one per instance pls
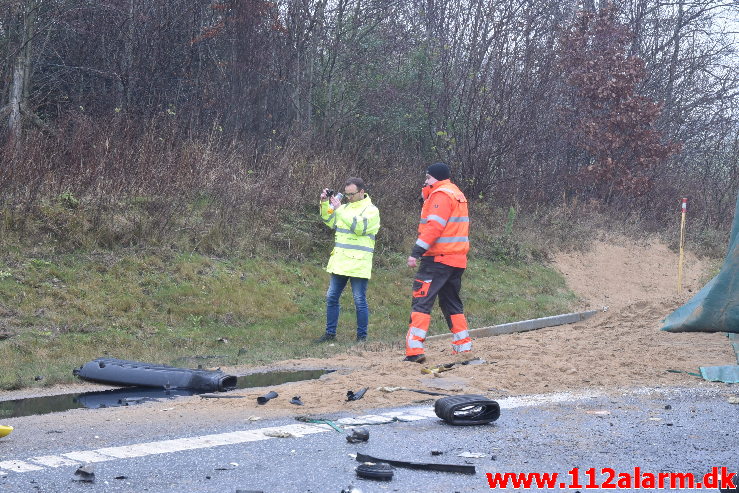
(418, 358)
(325, 338)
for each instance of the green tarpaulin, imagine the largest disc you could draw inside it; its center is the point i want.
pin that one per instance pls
(726, 374)
(715, 308)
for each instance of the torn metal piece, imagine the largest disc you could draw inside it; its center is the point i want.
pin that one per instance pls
(355, 396)
(426, 466)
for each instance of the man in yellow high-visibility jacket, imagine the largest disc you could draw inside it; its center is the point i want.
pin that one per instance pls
(356, 223)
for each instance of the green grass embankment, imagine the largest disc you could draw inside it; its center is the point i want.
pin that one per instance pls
(185, 309)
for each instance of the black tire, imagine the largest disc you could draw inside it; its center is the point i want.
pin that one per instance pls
(378, 472)
(466, 410)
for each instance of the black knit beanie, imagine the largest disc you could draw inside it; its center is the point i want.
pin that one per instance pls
(440, 171)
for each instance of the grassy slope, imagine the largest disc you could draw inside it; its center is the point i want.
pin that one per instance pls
(187, 309)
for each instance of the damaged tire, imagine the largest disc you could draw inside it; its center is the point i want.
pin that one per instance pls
(465, 410)
(378, 472)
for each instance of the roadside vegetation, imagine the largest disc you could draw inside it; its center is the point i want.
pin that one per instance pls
(186, 309)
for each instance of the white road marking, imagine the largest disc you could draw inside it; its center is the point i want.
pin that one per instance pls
(244, 436)
(87, 456)
(19, 466)
(54, 461)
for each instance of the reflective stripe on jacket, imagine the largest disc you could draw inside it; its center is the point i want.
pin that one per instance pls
(356, 225)
(445, 224)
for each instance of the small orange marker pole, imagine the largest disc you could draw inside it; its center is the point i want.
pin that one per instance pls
(684, 209)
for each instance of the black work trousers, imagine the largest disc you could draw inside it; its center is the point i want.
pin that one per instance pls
(436, 279)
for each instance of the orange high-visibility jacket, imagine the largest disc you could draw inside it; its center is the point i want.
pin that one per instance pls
(444, 228)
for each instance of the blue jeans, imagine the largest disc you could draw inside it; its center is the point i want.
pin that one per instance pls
(359, 291)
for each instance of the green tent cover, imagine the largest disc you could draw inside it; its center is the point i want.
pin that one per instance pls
(715, 308)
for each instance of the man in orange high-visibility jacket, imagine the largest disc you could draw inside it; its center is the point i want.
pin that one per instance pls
(442, 246)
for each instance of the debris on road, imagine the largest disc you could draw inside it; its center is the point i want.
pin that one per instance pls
(358, 435)
(355, 396)
(395, 389)
(296, 400)
(122, 372)
(425, 466)
(469, 409)
(267, 397)
(279, 434)
(221, 396)
(5, 430)
(472, 455)
(379, 472)
(437, 369)
(85, 473)
(319, 421)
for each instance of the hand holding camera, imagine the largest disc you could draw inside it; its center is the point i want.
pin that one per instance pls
(333, 197)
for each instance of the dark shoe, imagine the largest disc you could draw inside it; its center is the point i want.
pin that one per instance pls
(418, 358)
(324, 338)
(361, 338)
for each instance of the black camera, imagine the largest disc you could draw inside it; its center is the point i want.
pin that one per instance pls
(330, 193)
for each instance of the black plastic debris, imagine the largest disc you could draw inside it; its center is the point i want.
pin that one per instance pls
(379, 472)
(358, 435)
(465, 410)
(296, 400)
(355, 396)
(85, 473)
(122, 372)
(425, 466)
(267, 397)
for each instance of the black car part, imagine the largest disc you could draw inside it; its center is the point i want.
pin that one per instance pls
(426, 466)
(380, 472)
(122, 372)
(266, 397)
(355, 396)
(469, 409)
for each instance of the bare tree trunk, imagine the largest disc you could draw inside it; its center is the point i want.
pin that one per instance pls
(16, 97)
(19, 90)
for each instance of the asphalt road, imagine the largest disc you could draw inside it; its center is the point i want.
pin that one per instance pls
(659, 431)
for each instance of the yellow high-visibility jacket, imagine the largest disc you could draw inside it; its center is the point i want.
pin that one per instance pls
(356, 225)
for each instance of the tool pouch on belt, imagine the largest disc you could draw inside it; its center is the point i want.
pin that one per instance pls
(421, 288)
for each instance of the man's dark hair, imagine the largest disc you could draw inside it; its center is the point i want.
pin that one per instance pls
(355, 181)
